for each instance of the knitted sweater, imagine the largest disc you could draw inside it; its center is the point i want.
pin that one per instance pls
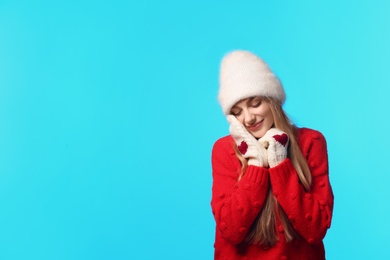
(236, 204)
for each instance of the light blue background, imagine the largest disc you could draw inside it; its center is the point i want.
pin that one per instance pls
(108, 114)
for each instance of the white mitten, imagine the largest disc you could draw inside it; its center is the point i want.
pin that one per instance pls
(276, 142)
(247, 144)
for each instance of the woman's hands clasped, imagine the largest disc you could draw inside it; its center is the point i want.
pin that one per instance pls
(249, 147)
(276, 142)
(270, 150)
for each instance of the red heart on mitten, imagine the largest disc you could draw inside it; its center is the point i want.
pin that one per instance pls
(282, 139)
(243, 147)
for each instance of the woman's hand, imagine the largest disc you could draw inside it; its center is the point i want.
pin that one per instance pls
(248, 146)
(276, 142)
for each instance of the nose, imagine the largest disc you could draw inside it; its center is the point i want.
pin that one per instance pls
(249, 117)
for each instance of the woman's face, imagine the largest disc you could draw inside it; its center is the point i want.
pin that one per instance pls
(255, 114)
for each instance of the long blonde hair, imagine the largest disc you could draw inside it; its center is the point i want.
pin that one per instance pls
(263, 230)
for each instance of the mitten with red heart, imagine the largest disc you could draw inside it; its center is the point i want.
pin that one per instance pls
(276, 142)
(247, 144)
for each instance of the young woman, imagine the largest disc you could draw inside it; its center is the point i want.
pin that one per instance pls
(271, 196)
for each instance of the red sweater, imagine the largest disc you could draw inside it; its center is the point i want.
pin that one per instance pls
(235, 205)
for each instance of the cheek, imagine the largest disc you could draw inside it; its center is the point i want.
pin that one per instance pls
(270, 124)
(268, 114)
(270, 119)
(240, 118)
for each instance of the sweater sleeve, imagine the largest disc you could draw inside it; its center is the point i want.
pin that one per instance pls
(235, 204)
(310, 212)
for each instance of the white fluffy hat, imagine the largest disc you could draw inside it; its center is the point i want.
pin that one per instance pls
(244, 75)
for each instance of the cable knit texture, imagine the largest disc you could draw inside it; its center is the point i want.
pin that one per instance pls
(236, 204)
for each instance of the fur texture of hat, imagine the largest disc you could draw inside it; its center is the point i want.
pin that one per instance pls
(244, 75)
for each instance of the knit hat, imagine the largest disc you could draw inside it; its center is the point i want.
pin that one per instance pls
(245, 75)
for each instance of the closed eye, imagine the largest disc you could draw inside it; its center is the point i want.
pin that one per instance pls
(236, 113)
(255, 103)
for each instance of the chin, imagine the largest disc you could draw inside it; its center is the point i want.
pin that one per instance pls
(258, 135)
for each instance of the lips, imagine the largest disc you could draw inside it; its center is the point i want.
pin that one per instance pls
(255, 126)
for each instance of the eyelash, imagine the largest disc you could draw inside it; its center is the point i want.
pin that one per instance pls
(256, 104)
(236, 114)
(253, 103)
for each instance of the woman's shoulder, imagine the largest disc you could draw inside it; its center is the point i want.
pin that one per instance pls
(309, 133)
(307, 137)
(224, 143)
